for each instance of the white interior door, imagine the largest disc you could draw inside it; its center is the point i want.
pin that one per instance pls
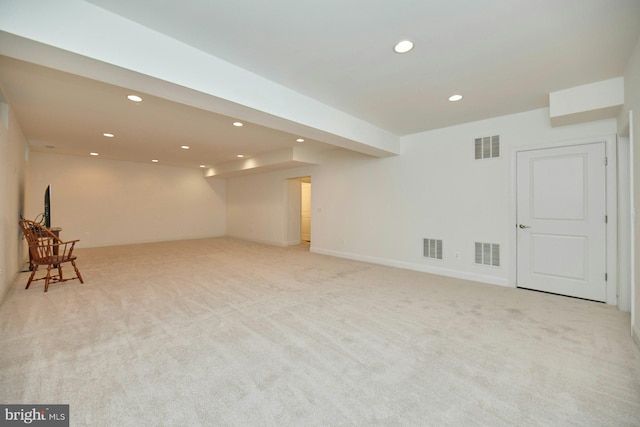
(561, 215)
(305, 208)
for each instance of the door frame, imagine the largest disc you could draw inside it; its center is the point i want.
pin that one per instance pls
(293, 209)
(304, 181)
(611, 202)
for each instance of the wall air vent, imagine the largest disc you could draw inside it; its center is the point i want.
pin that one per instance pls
(487, 147)
(488, 254)
(433, 248)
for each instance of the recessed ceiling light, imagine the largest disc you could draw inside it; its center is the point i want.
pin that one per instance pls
(184, 147)
(240, 156)
(238, 124)
(108, 135)
(94, 154)
(202, 166)
(403, 46)
(454, 98)
(154, 161)
(299, 140)
(134, 98)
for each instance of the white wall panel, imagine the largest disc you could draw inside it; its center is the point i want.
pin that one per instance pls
(107, 202)
(13, 167)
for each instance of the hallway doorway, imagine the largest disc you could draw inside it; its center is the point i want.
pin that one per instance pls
(305, 211)
(299, 211)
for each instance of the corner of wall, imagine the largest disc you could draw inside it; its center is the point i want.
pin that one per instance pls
(12, 195)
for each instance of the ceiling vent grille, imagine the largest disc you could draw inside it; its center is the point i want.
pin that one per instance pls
(488, 254)
(433, 248)
(487, 147)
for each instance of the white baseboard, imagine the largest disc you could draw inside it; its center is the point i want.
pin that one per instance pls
(492, 280)
(139, 242)
(635, 334)
(264, 242)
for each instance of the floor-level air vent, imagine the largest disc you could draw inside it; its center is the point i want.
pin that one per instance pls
(488, 254)
(433, 248)
(487, 147)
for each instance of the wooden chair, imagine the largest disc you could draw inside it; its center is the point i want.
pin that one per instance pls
(47, 249)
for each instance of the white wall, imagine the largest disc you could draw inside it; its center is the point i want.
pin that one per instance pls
(379, 210)
(435, 189)
(258, 206)
(13, 167)
(632, 103)
(108, 202)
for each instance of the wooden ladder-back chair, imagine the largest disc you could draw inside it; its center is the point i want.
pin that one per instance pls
(47, 249)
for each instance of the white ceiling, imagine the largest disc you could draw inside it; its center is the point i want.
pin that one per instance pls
(63, 113)
(504, 56)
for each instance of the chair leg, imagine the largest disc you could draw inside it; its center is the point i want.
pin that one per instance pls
(60, 278)
(33, 273)
(77, 271)
(47, 278)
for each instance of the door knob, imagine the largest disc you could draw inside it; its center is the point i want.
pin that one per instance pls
(524, 226)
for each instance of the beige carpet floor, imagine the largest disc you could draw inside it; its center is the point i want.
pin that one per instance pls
(222, 332)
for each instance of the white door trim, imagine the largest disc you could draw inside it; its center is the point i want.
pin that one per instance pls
(624, 224)
(612, 210)
(632, 178)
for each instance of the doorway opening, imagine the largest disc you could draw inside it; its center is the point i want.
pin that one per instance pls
(299, 211)
(305, 210)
